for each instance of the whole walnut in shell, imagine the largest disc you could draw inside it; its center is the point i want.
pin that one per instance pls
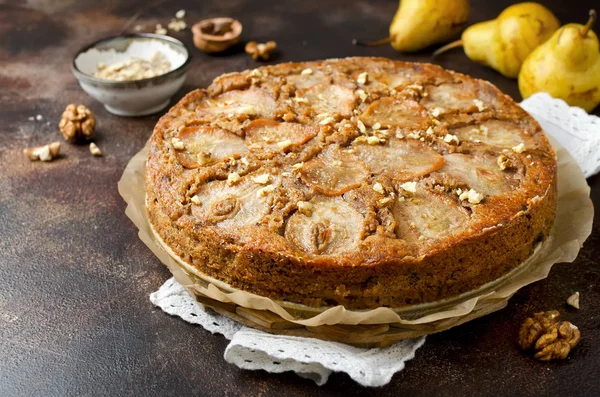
(77, 123)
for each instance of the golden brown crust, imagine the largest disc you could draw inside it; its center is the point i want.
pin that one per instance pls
(414, 183)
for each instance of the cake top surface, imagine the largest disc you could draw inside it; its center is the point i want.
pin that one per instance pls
(351, 160)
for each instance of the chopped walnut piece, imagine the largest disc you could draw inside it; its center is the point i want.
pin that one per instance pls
(284, 144)
(177, 144)
(180, 14)
(409, 186)
(77, 122)
(449, 138)
(376, 126)
(297, 166)
(362, 78)
(262, 179)
(362, 95)
(471, 196)
(196, 200)
(260, 50)
(305, 208)
(504, 162)
(232, 178)
(520, 148)
(43, 153)
(361, 126)
(263, 191)
(95, 150)
(549, 338)
(378, 187)
(435, 112)
(306, 71)
(373, 140)
(480, 105)
(573, 300)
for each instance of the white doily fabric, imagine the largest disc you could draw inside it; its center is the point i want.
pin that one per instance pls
(572, 127)
(309, 358)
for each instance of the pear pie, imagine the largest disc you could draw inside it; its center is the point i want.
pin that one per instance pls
(363, 182)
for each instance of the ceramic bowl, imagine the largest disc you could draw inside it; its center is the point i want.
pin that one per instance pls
(136, 97)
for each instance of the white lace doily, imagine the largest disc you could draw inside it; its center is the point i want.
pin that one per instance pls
(310, 358)
(572, 127)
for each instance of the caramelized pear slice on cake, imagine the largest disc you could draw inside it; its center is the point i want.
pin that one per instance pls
(253, 102)
(426, 215)
(329, 99)
(202, 145)
(480, 173)
(240, 204)
(401, 159)
(274, 136)
(453, 97)
(334, 171)
(502, 134)
(392, 112)
(308, 78)
(332, 227)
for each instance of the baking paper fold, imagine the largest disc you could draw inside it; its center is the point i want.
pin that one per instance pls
(572, 226)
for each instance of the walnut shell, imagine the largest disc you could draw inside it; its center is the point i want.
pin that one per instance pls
(216, 34)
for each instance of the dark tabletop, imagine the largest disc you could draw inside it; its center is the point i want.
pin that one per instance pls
(75, 318)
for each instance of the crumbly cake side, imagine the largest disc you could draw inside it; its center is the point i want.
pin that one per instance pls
(360, 181)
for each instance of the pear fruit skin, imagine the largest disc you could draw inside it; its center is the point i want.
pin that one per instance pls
(567, 66)
(421, 23)
(504, 43)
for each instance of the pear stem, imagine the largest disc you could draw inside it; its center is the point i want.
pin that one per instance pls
(454, 44)
(589, 23)
(387, 40)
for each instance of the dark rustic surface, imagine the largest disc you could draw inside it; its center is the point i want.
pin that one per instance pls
(75, 318)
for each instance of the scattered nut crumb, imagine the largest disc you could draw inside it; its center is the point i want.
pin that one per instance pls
(429, 131)
(138, 28)
(297, 166)
(95, 150)
(435, 112)
(39, 117)
(413, 135)
(177, 25)
(327, 120)
(305, 208)
(159, 29)
(260, 50)
(232, 178)
(520, 148)
(196, 200)
(573, 300)
(180, 14)
(245, 161)
(376, 126)
(306, 71)
(385, 200)
(409, 186)
(261, 179)
(378, 187)
(362, 95)
(300, 99)
(43, 153)
(362, 78)
(76, 123)
(177, 144)
(31, 118)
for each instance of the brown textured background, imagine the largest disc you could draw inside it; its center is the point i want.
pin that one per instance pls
(75, 318)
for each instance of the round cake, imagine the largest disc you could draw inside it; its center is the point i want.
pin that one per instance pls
(362, 182)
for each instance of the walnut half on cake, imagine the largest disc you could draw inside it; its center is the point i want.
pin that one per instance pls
(364, 182)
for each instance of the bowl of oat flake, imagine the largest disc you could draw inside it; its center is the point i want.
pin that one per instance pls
(133, 74)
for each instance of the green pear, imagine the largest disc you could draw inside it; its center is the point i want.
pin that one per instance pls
(567, 66)
(421, 23)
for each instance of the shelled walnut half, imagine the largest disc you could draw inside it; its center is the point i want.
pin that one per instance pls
(77, 123)
(549, 338)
